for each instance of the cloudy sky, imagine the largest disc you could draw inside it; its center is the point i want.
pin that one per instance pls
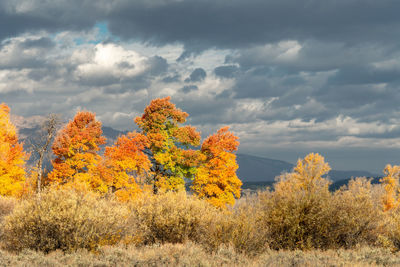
(290, 77)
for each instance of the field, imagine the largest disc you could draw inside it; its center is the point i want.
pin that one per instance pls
(270, 228)
(190, 254)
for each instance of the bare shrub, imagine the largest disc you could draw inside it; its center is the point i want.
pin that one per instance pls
(169, 218)
(300, 219)
(64, 220)
(296, 220)
(355, 215)
(7, 205)
(239, 228)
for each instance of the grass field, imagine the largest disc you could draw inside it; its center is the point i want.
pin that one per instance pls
(190, 254)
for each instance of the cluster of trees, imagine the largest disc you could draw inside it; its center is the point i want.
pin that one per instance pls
(161, 157)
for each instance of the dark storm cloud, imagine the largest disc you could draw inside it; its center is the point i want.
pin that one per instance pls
(158, 65)
(197, 75)
(226, 71)
(364, 75)
(172, 78)
(237, 23)
(258, 83)
(204, 24)
(17, 17)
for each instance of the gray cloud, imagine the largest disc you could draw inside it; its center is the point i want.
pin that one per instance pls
(236, 24)
(197, 75)
(289, 76)
(226, 71)
(189, 88)
(171, 78)
(158, 65)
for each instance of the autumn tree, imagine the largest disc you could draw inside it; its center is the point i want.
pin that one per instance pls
(76, 148)
(391, 197)
(170, 144)
(216, 178)
(306, 175)
(125, 162)
(12, 157)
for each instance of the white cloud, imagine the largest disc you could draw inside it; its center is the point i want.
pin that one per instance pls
(113, 60)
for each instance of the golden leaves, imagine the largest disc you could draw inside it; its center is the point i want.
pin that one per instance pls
(391, 199)
(306, 175)
(12, 157)
(216, 179)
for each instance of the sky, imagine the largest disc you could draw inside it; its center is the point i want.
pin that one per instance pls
(289, 77)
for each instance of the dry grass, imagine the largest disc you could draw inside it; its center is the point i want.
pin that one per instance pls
(190, 254)
(7, 205)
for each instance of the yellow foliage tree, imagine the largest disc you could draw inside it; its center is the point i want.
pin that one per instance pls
(391, 184)
(12, 157)
(306, 176)
(216, 179)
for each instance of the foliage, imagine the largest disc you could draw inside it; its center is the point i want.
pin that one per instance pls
(354, 214)
(216, 178)
(296, 220)
(64, 220)
(12, 157)
(240, 227)
(302, 214)
(306, 175)
(169, 218)
(126, 161)
(169, 144)
(391, 198)
(76, 148)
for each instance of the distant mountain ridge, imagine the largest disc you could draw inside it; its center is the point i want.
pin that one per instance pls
(259, 169)
(252, 169)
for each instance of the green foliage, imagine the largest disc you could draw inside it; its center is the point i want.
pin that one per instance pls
(169, 143)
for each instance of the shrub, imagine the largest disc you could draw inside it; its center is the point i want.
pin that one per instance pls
(7, 205)
(64, 220)
(239, 228)
(355, 215)
(296, 220)
(299, 219)
(169, 218)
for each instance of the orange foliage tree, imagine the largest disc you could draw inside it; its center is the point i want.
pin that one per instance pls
(12, 157)
(391, 197)
(126, 161)
(170, 144)
(216, 178)
(76, 149)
